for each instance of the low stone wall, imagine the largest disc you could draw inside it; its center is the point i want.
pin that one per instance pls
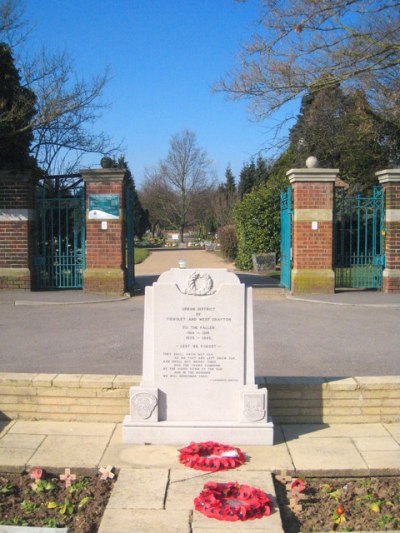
(292, 400)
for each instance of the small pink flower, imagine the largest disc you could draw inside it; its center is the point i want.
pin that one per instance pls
(297, 484)
(37, 473)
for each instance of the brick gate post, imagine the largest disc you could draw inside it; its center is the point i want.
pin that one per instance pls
(105, 239)
(313, 197)
(390, 179)
(16, 229)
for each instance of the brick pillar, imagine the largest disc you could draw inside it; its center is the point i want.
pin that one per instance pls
(105, 243)
(390, 179)
(312, 248)
(16, 229)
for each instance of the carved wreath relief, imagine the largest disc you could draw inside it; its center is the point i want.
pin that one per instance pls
(254, 407)
(199, 284)
(144, 404)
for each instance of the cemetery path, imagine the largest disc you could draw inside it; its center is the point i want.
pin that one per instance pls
(162, 259)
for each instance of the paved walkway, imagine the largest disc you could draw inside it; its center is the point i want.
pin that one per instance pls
(155, 493)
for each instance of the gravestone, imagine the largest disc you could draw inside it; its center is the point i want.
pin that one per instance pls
(198, 364)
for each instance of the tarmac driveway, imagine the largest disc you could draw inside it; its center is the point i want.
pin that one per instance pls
(292, 338)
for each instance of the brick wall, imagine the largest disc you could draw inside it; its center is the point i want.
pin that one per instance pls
(290, 400)
(312, 249)
(308, 195)
(104, 248)
(390, 179)
(16, 230)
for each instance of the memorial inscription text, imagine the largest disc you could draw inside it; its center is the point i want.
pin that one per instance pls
(197, 349)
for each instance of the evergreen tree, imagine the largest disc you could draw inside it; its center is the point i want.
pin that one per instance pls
(247, 180)
(230, 184)
(17, 107)
(225, 200)
(343, 132)
(262, 171)
(141, 216)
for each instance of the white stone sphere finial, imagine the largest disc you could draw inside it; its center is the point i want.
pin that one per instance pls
(312, 162)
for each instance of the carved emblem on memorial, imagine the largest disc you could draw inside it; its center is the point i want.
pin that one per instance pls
(199, 284)
(144, 404)
(254, 407)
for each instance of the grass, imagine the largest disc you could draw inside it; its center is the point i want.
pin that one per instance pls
(141, 254)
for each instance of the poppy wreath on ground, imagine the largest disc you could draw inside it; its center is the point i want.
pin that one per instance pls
(232, 502)
(211, 456)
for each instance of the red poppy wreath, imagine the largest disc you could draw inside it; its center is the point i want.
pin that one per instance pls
(232, 502)
(211, 456)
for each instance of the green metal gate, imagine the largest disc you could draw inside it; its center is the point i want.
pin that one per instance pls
(286, 237)
(129, 236)
(359, 240)
(59, 249)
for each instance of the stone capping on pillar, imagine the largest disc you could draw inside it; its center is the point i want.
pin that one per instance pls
(312, 174)
(101, 174)
(391, 175)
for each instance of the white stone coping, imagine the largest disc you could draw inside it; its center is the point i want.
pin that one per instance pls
(309, 215)
(16, 215)
(391, 175)
(103, 174)
(312, 174)
(392, 215)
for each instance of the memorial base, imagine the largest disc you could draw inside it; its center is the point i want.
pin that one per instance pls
(181, 433)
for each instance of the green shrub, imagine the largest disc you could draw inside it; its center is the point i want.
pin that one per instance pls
(228, 241)
(258, 221)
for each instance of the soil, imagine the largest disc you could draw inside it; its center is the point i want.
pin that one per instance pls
(49, 503)
(339, 504)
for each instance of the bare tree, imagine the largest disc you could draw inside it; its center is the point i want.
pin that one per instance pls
(66, 107)
(181, 183)
(306, 45)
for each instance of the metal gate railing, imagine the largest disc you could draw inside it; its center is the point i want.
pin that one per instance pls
(59, 249)
(286, 237)
(129, 221)
(359, 240)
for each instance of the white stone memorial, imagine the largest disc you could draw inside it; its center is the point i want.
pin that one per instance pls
(198, 364)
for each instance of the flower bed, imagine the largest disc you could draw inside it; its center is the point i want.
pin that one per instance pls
(338, 504)
(44, 500)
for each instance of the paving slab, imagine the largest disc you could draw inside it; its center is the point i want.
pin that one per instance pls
(331, 456)
(47, 427)
(183, 493)
(202, 524)
(269, 458)
(394, 430)
(182, 490)
(369, 444)
(140, 489)
(121, 454)
(19, 440)
(318, 431)
(144, 521)
(382, 463)
(14, 459)
(5, 426)
(59, 451)
(23, 529)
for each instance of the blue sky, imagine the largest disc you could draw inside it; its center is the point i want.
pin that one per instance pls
(164, 56)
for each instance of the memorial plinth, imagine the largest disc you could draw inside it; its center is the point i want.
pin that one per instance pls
(198, 364)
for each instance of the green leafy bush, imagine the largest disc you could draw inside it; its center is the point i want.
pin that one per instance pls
(258, 217)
